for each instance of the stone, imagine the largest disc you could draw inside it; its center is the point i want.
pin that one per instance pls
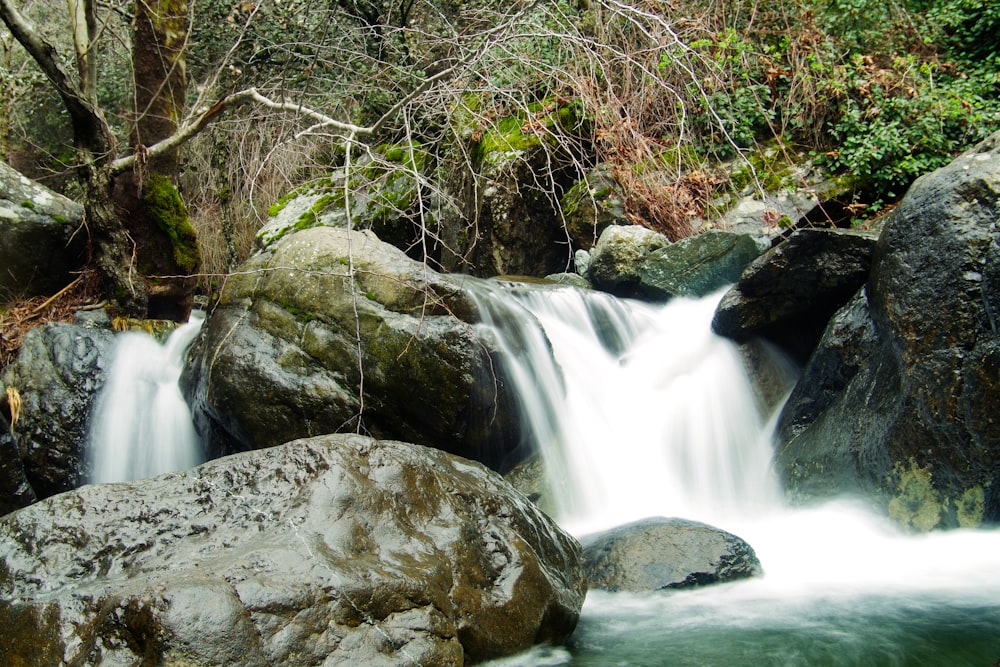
(497, 206)
(338, 550)
(334, 326)
(39, 246)
(699, 265)
(659, 553)
(58, 373)
(616, 260)
(594, 203)
(898, 403)
(788, 294)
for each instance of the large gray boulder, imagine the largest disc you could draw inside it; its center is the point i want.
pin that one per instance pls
(788, 294)
(339, 550)
(658, 553)
(59, 370)
(336, 331)
(899, 401)
(39, 246)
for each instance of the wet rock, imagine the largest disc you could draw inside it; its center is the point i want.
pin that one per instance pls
(699, 265)
(15, 491)
(39, 246)
(58, 372)
(899, 401)
(339, 550)
(637, 262)
(658, 553)
(788, 294)
(336, 326)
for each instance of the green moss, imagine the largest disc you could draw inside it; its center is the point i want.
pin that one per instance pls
(970, 507)
(767, 167)
(164, 205)
(27, 203)
(916, 503)
(60, 219)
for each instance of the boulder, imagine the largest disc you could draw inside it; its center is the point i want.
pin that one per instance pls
(384, 193)
(637, 262)
(39, 246)
(336, 331)
(497, 212)
(788, 294)
(339, 550)
(616, 260)
(594, 203)
(58, 372)
(899, 400)
(659, 553)
(699, 265)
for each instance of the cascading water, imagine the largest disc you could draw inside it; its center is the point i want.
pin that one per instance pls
(141, 425)
(641, 411)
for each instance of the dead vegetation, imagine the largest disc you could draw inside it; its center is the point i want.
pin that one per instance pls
(19, 315)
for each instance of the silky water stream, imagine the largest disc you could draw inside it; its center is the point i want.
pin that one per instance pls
(141, 425)
(641, 411)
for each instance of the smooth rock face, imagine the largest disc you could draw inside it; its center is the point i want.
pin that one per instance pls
(899, 402)
(699, 265)
(788, 294)
(339, 550)
(335, 324)
(657, 553)
(637, 262)
(37, 244)
(58, 372)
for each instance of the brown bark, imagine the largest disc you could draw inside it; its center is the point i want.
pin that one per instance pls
(158, 61)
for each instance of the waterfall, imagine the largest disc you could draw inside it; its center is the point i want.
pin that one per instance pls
(141, 425)
(637, 409)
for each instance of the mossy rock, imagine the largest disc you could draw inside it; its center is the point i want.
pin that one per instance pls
(379, 195)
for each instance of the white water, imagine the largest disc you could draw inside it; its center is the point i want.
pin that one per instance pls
(141, 425)
(649, 414)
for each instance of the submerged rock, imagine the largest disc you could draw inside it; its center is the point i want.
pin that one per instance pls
(339, 550)
(658, 553)
(899, 401)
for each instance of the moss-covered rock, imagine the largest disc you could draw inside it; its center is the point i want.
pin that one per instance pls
(346, 329)
(379, 194)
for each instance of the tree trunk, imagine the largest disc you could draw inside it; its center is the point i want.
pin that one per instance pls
(149, 203)
(114, 253)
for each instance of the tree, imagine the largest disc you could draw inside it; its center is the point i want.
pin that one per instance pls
(433, 74)
(162, 26)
